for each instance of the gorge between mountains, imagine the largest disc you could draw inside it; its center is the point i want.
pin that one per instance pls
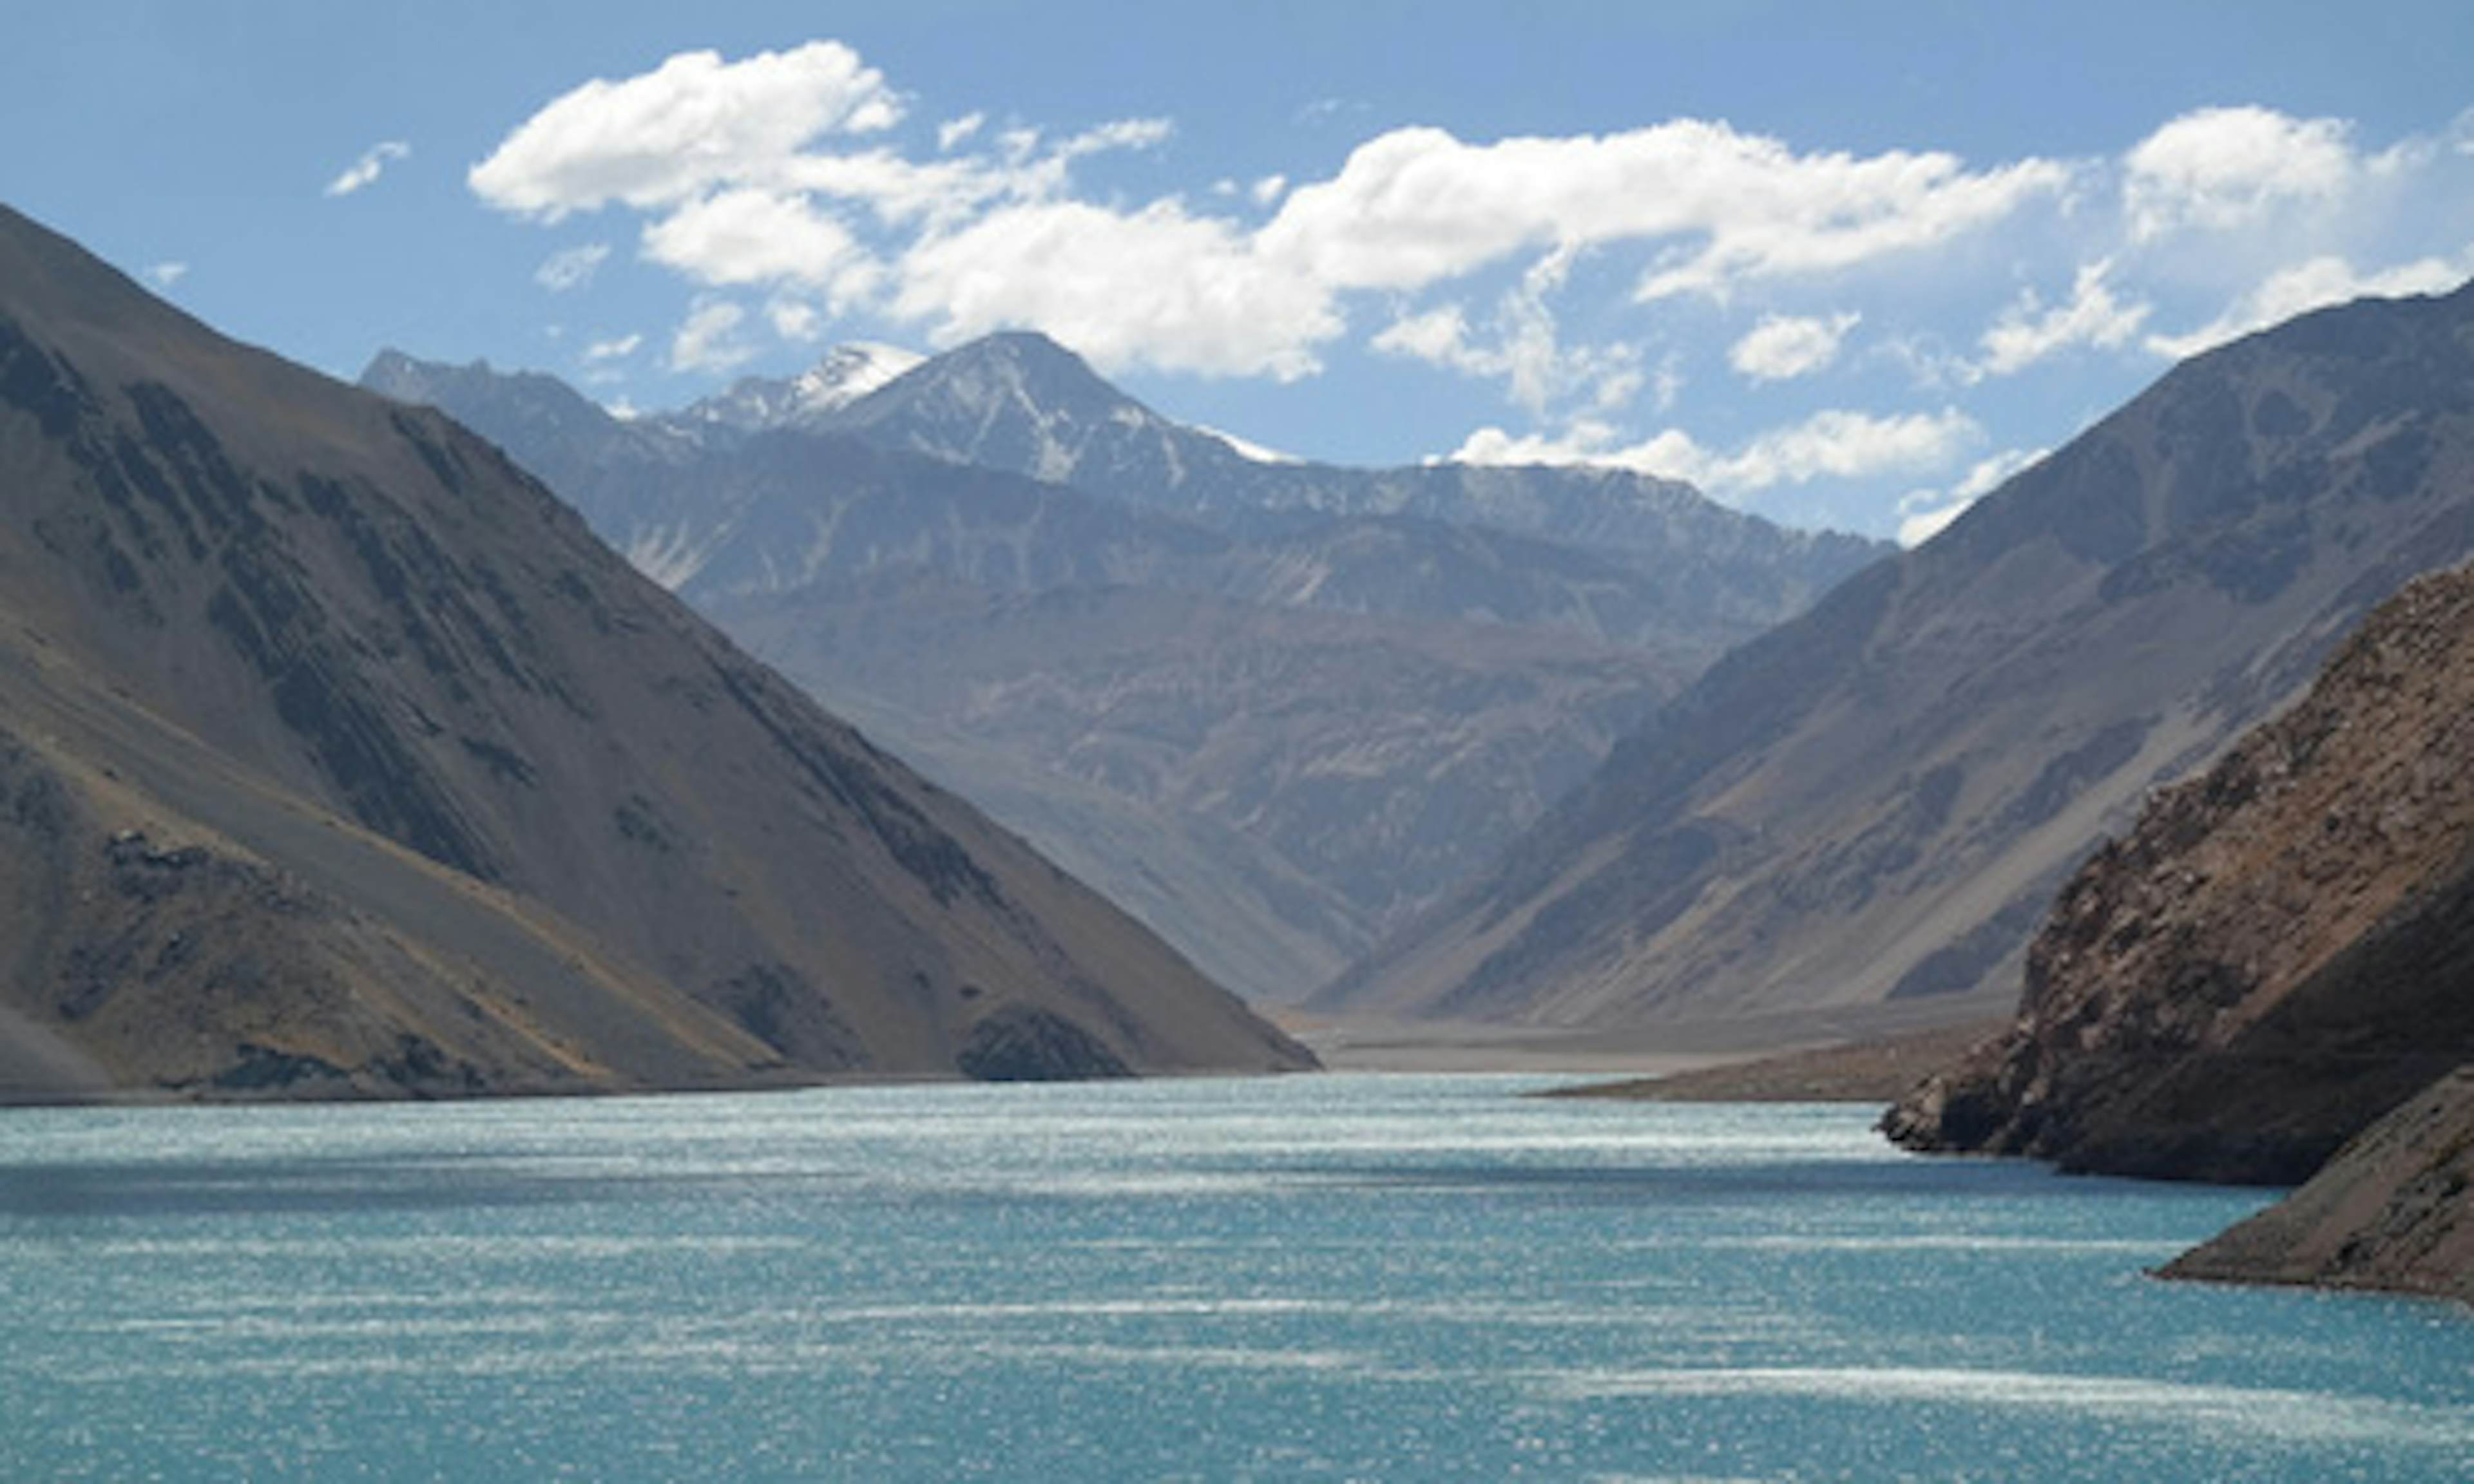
(386, 742)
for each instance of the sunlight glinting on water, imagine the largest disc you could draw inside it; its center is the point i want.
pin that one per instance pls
(1401, 1277)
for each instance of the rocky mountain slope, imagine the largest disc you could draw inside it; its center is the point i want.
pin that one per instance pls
(341, 757)
(2281, 949)
(1274, 730)
(2390, 1210)
(1877, 799)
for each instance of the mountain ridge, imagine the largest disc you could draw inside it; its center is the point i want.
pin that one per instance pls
(323, 639)
(1876, 799)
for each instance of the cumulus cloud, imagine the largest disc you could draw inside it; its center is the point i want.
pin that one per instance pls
(693, 123)
(2312, 284)
(1269, 189)
(1923, 512)
(166, 274)
(1783, 347)
(366, 170)
(2221, 168)
(750, 236)
(1416, 205)
(2027, 331)
(1158, 287)
(1834, 444)
(571, 267)
(709, 339)
(616, 349)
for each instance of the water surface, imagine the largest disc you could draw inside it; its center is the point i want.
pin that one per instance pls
(1404, 1278)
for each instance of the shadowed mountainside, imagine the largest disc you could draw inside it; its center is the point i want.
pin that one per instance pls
(342, 758)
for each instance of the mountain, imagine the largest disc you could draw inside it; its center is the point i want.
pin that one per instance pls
(1877, 799)
(341, 758)
(2389, 1212)
(1023, 403)
(2277, 953)
(1276, 732)
(755, 404)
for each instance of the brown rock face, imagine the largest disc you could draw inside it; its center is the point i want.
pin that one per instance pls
(2281, 950)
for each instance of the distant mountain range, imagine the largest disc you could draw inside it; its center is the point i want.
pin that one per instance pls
(1878, 800)
(337, 757)
(1274, 707)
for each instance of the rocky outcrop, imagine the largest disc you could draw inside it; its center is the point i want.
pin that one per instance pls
(2277, 953)
(2394, 1210)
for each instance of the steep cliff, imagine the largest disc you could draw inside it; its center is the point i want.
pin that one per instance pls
(2281, 949)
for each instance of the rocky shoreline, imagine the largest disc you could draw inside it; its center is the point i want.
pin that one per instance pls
(2269, 980)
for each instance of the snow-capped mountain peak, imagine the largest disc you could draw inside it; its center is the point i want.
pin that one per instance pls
(846, 373)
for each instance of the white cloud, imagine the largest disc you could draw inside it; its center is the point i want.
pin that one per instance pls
(571, 267)
(709, 339)
(1158, 287)
(1781, 347)
(1923, 512)
(1269, 189)
(1125, 133)
(617, 348)
(1834, 444)
(796, 318)
(2312, 284)
(1437, 336)
(2221, 168)
(744, 236)
(956, 131)
(1528, 352)
(166, 274)
(366, 170)
(693, 123)
(1416, 205)
(2094, 316)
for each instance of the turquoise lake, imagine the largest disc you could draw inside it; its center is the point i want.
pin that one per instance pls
(1338, 1276)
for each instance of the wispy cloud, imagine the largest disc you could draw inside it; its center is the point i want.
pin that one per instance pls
(166, 274)
(709, 339)
(1834, 444)
(1785, 347)
(571, 267)
(365, 171)
(2029, 331)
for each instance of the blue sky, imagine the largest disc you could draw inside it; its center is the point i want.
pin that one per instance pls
(1838, 263)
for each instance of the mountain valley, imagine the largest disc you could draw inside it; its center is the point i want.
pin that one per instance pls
(1277, 710)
